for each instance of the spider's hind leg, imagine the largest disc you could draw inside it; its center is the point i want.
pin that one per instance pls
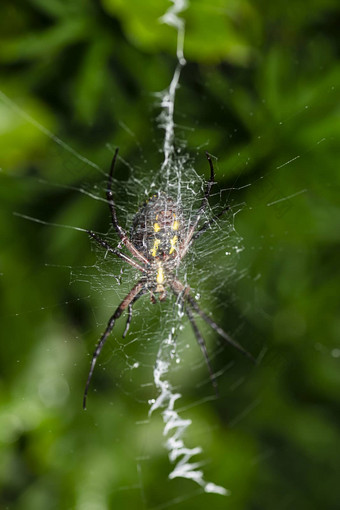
(201, 343)
(132, 296)
(218, 329)
(182, 292)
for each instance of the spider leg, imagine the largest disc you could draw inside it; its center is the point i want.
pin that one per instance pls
(187, 241)
(119, 254)
(129, 318)
(120, 231)
(211, 180)
(179, 288)
(207, 224)
(131, 297)
(201, 343)
(218, 329)
(128, 322)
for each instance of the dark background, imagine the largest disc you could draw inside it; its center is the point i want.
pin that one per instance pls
(260, 92)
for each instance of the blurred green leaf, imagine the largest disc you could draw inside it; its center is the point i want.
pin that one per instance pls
(259, 92)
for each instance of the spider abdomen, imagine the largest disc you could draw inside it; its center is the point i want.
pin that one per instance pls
(156, 229)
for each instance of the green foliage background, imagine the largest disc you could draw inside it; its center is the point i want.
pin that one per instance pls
(261, 88)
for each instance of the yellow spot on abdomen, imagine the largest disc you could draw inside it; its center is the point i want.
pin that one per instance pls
(173, 242)
(160, 274)
(154, 249)
(156, 227)
(175, 225)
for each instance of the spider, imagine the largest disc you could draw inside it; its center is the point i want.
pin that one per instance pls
(158, 242)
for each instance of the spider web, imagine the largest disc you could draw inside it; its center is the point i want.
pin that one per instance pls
(158, 360)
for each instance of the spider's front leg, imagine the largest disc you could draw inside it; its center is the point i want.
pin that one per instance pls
(112, 206)
(208, 223)
(119, 254)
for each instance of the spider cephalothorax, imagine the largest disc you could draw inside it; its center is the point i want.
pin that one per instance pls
(159, 240)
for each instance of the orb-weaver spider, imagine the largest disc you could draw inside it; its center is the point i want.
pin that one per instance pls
(158, 242)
